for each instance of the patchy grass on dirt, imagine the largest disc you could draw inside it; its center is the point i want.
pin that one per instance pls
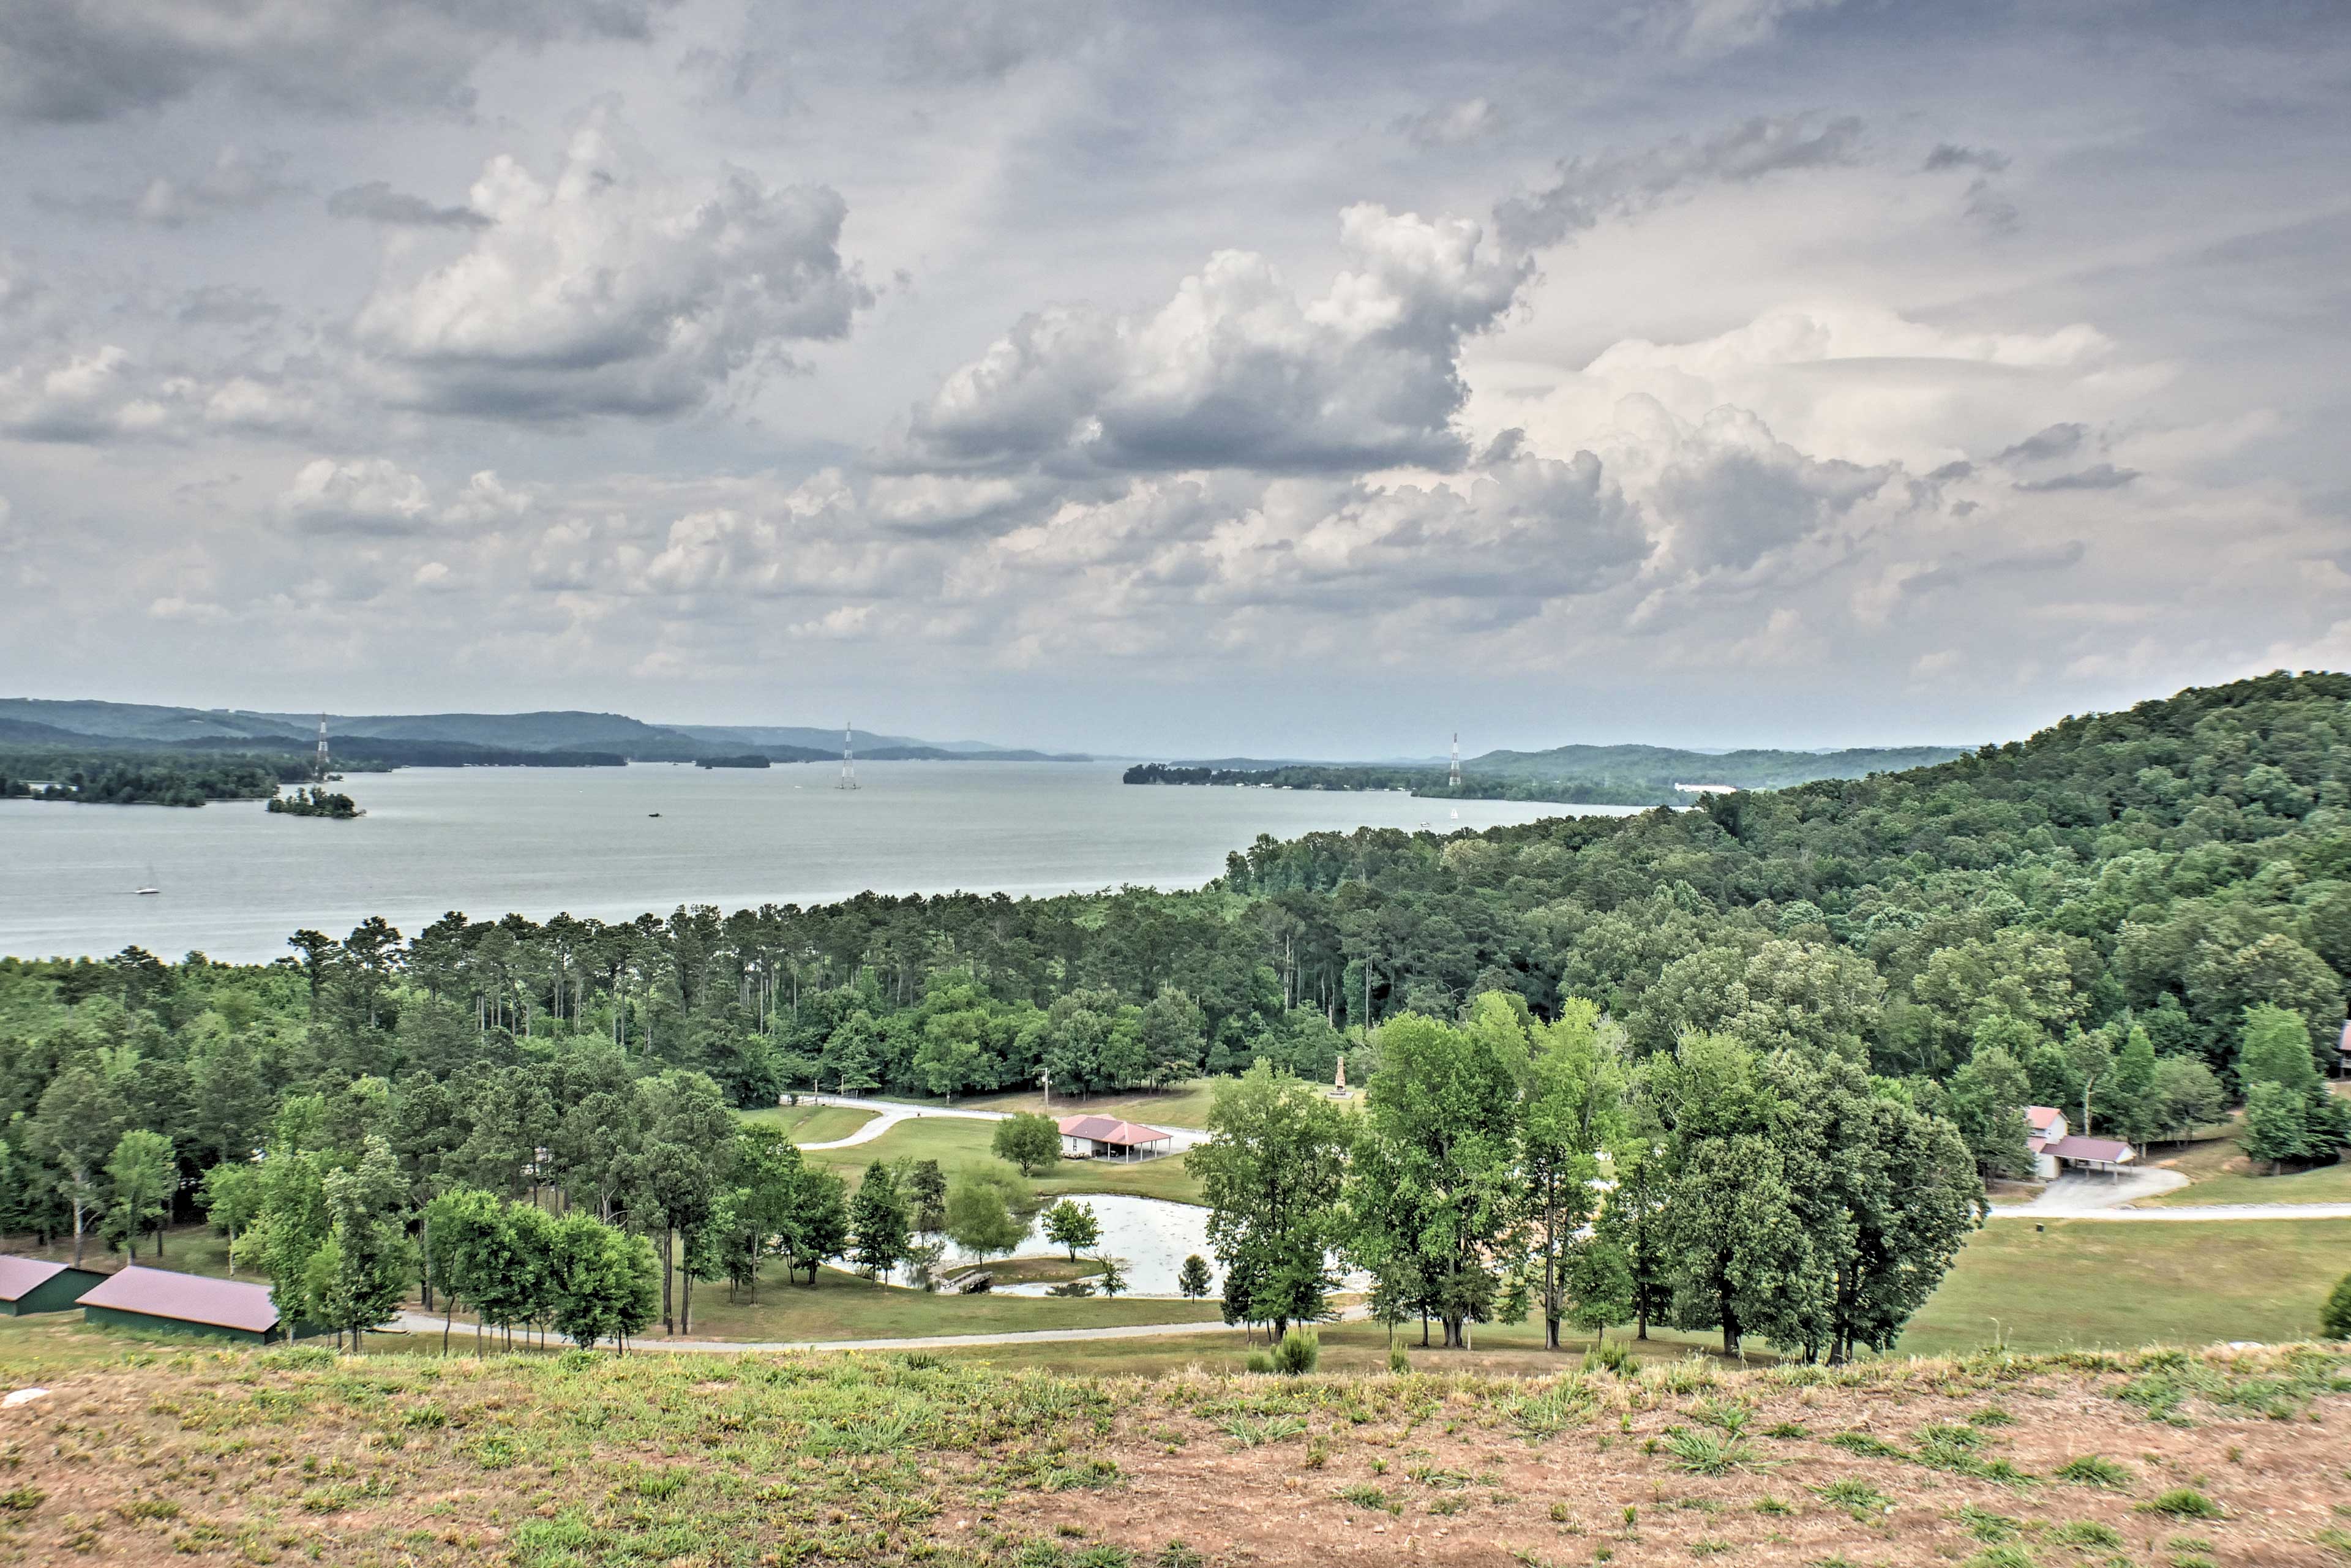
(181, 1454)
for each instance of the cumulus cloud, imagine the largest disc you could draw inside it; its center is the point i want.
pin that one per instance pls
(377, 202)
(612, 288)
(376, 497)
(1732, 492)
(91, 60)
(1619, 183)
(1237, 372)
(1859, 383)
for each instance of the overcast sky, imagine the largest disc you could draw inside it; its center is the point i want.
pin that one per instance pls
(1283, 379)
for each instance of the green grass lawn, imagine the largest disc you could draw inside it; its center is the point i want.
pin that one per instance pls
(2327, 1183)
(1042, 1270)
(812, 1124)
(959, 1143)
(1184, 1105)
(2092, 1282)
(842, 1306)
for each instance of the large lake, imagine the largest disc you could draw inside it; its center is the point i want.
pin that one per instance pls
(237, 881)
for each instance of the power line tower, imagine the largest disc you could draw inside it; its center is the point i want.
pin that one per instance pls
(847, 760)
(1453, 779)
(322, 749)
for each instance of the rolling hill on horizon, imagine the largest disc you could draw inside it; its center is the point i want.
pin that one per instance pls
(449, 737)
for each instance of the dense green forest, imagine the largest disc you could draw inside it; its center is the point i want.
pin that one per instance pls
(1432, 783)
(146, 778)
(2144, 911)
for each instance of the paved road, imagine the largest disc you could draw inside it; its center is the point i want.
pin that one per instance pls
(2082, 1195)
(888, 1114)
(423, 1324)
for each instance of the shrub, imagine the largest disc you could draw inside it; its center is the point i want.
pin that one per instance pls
(1708, 1453)
(1300, 1349)
(1610, 1357)
(1398, 1362)
(2335, 1318)
(2095, 1471)
(1259, 1362)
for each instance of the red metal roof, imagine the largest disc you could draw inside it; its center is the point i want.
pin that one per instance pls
(1109, 1130)
(2078, 1147)
(2041, 1116)
(189, 1297)
(18, 1275)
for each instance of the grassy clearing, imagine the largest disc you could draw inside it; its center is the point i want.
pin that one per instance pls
(189, 1249)
(2111, 1283)
(812, 1124)
(1042, 1270)
(587, 1461)
(1184, 1105)
(958, 1143)
(2327, 1183)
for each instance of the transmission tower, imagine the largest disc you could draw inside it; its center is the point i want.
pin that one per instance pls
(1453, 779)
(847, 760)
(322, 749)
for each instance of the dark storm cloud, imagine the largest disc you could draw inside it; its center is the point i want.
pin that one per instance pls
(1947, 155)
(2059, 441)
(1588, 189)
(81, 61)
(2099, 477)
(377, 202)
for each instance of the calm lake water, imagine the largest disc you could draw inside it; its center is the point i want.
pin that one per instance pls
(237, 881)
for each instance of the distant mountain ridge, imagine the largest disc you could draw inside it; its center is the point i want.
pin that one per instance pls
(1576, 775)
(451, 737)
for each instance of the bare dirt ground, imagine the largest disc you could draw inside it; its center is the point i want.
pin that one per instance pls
(2161, 1460)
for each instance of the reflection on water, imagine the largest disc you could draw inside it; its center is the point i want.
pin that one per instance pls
(1150, 1236)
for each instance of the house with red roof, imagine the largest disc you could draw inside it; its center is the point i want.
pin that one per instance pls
(163, 1298)
(1107, 1137)
(2054, 1146)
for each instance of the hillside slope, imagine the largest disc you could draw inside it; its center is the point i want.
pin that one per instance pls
(586, 1458)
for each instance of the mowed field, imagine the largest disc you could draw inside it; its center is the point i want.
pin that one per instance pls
(812, 1124)
(1184, 1105)
(2097, 1282)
